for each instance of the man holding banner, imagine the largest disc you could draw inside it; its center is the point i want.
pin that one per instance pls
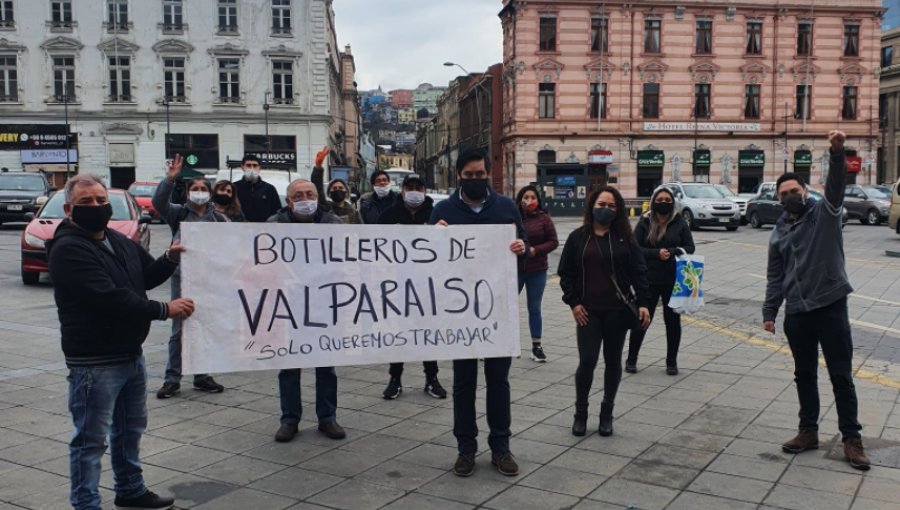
(302, 207)
(475, 204)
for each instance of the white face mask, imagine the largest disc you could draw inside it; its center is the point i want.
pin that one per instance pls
(251, 175)
(199, 197)
(305, 208)
(413, 198)
(382, 191)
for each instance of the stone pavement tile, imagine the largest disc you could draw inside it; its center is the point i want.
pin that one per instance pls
(526, 498)
(676, 456)
(630, 429)
(32, 453)
(416, 430)
(20, 414)
(536, 451)
(239, 470)
(590, 462)
(473, 490)
(550, 434)
(400, 475)
(354, 495)
(676, 477)
(157, 419)
(340, 463)
(191, 409)
(6, 467)
(431, 455)
(151, 445)
(296, 483)
(724, 421)
(191, 490)
(234, 441)
(415, 501)
(440, 415)
(762, 432)
(530, 413)
(189, 431)
(881, 489)
(398, 408)
(751, 403)
(289, 454)
(617, 444)
(671, 404)
(696, 440)
(745, 467)
(9, 437)
(366, 421)
(657, 418)
(379, 446)
(798, 498)
(55, 498)
(592, 504)
(861, 503)
(757, 450)
(546, 400)
(733, 487)
(15, 484)
(232, 417)
(244, 498)
(566, 481)
(693, 501)
(822, 480)
(639, 495)
(187, 458)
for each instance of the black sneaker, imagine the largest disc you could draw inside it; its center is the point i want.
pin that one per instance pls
(168, 390)
(393, 390)
(465, 465)
(208, 385)
(505, 463)
(434, 388)
(147, 500)
(537, 354)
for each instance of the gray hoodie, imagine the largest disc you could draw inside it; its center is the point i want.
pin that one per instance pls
(806, 256)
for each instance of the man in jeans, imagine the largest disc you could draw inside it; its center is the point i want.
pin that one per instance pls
(100, 281)
(303, 207)
(806, 271)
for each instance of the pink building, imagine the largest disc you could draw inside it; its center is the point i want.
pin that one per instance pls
(640, 93)
(401, 98)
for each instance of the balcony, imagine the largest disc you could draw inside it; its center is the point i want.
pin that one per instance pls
(120, 98)
(176, 99)
(227, 30)
(14, 98)
(283, 100)
(117, 27)
(172, 28)
(7, 24)
(282, 31)
(61, 26)
(229, 100)
(60, 98)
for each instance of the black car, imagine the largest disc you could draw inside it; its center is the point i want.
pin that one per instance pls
(765, 208)
(22, 193)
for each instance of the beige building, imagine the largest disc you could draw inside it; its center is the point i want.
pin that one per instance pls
(640, 93)
(889, 108)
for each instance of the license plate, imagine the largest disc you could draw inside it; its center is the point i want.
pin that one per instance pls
(14, 208)
(723, 220)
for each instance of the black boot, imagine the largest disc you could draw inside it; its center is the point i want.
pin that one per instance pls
(579, 426)
(606, 419)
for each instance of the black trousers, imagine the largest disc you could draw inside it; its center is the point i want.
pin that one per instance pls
(431, 369)
(829, 327)
(606, 330)
(465, 382)
(673, 327)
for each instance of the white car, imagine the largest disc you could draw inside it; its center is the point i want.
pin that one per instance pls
(701, 204)
(737, 199)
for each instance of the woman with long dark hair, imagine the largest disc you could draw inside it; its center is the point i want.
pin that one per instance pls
(533, 269)
(603, 279)
(339, 194)
(662, 234)
(226, 202)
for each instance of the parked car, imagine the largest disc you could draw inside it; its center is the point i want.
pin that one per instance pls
(143, 194)
(765, 208)
(22, 193)
(701, 204)
(894, 217)
(867, 204)
(737, 199)
(127, 219)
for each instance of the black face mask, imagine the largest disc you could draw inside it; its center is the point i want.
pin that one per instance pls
(222, 200)
(338, 195)
(604, 215)
(476, 189)
(92, 218)
(663, 208)
(793, 203)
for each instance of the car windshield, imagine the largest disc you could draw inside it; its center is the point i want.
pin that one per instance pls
(53, 209)
(32, 182)
(701, 192)
(725, 191)
(142, 190)
(876, 193)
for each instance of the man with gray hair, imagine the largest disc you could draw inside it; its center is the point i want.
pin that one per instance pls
(100, 281)
(303, 207)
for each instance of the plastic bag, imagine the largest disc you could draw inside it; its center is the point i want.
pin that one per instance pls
(687, 293)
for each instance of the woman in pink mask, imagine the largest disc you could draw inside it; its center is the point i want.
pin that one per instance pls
(533, 269)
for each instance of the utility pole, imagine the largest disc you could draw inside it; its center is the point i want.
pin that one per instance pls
(785, 152)
(165, 103)
(869, 155)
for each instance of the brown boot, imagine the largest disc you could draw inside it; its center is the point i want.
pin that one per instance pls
(806, 439)
(856, 454)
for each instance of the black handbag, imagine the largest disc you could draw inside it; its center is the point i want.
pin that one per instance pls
(632, 315)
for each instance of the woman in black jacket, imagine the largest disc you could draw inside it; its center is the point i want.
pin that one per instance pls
(600, 268)
(661, 234)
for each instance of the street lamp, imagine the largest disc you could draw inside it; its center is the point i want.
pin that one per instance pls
(477, 101)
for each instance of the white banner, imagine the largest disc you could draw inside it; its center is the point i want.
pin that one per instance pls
(288, 295)
(702, 126)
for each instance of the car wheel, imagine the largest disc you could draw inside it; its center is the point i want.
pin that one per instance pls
(754, 221)
(30, 277)
(731, 228)
(872, 217)
(688, 218)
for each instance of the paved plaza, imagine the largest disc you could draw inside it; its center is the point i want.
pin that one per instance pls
(705, 439)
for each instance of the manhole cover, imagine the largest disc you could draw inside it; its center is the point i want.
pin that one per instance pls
(881, 452)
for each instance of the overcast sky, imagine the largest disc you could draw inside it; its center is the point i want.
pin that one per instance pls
(402, 43)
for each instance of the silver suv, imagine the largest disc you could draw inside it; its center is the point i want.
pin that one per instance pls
(702, 205)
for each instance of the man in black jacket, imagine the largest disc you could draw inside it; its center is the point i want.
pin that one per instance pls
(379, 200)
(100, 281)
(413, 208)
(259, 199)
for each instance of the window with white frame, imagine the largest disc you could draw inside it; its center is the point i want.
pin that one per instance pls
(173, 15)
(281, 16)
(117, 15)
(7, 17)
(9, 90)
(119, 79)
(228, 16)
(173, 79)
(64, 79)
(283, 82)
(229, 80)
(61, 13)
(547, 100)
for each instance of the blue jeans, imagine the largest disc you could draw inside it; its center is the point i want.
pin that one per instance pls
(534, 284)
(326, 395)
(173, 367)
(106, 401)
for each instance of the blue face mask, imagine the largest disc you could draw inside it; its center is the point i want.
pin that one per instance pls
(604, 215)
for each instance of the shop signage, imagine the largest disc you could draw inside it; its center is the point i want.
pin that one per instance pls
(802, 158)
(854, 164)
(702, 126)
(48, 156)
(276, 157)
(34, 136)
(651, 159)
(600, 157)
(702, 158)
(751, 158)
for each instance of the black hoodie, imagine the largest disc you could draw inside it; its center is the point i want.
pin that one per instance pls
(101, 298)
(677, 236)
(399, 214)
